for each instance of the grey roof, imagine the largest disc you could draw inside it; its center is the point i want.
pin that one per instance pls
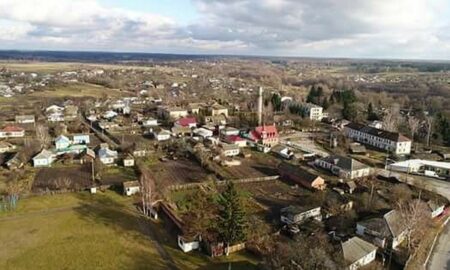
(378, 225)
(355, 248)
(297, 209)
(44, 154)
(346, 163)
(226, 146)
(392, 136)
(394, 221)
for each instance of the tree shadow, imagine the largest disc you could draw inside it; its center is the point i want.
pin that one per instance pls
(102, 209)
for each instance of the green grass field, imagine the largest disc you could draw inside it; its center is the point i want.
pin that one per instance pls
(101, 231)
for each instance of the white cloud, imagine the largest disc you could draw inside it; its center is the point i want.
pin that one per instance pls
(352, 28)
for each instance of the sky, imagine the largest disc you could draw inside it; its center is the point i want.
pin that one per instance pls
(400, 29)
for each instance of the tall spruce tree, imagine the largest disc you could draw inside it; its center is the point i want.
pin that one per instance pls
(231, 221)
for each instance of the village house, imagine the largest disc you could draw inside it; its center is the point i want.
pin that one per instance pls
(106, 155)
(106, 125)
(171, 112)
(149, 122)
(81, 139)
(128, 161)
(358, 253)
(53, 109)
(25, 119)
(229, 131)
(181, 131)
(44, 159)
(298, 214)
(216, 120)
(218, 109)
(344, 167)
(12, 132)
(6, 147)
(436, 209)
(87, 156)
(203, 132)
(131, 187)
(386, 232)
(109, 115)
(16, 162)
(300, 176)
(282, 151)
(229, 150)
(62, 142)
(313, 112)
(264, 135)
(70, 112)
(161, 134)
(393, 142)
(194, 108)
(236, 140)
(189, 122)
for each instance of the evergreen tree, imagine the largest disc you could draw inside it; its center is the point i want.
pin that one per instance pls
(371, 115)
(311, 95)
(349, 111)
(276, 102)
(325, 104)
(231, 223)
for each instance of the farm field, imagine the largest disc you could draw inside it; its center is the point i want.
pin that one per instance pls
(177, 172)
(104, 231)
(256, 166)
(74, 177)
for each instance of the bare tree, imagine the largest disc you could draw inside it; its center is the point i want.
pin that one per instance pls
(42, 135)
(414, 124)
(391, 119)
(147, 189)
(415, 217)
(430, 129)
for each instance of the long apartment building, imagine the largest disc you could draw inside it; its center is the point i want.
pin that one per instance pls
(393, 142)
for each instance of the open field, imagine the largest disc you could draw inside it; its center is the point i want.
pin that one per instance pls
(38, 67)
(77, 90)
(102, 231)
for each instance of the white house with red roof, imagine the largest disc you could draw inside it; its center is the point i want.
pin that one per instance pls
(236, 140)
(12, 132)
(265, 135)
(189, 122)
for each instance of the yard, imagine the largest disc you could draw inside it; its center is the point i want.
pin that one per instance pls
(73, 177)
(178, 172)
(101, 231)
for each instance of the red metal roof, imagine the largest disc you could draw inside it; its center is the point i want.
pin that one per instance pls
(234, 138)
(12, 129)
(186, 121)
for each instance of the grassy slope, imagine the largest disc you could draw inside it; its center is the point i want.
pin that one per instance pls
(83, 231)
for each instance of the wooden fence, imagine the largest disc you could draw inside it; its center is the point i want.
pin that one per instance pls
(237, 181)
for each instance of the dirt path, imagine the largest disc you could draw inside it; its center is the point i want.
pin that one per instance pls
(145, 226)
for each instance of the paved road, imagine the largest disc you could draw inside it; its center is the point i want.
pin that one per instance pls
(440, 260)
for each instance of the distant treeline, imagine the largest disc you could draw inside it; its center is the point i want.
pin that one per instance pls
(388, 66)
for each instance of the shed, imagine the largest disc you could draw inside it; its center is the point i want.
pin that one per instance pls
(131, 187)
